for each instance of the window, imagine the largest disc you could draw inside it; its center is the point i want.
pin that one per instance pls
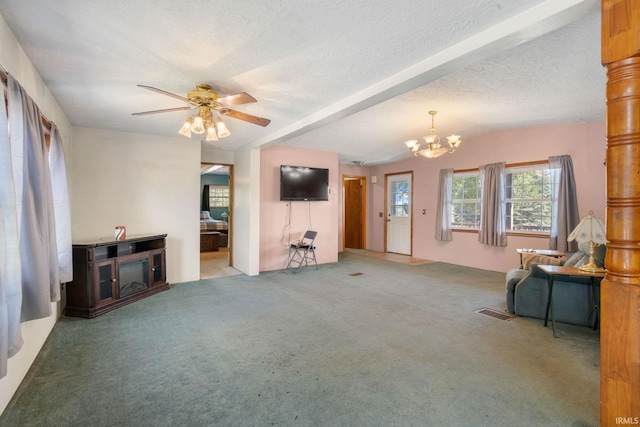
(465, 200)
(528, 199)
(218, 196)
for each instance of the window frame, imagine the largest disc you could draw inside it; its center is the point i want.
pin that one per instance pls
(527, 168)
(463, 174)
(536, 164)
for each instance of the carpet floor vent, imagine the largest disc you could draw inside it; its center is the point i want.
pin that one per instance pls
(356, 274)
(500, 315)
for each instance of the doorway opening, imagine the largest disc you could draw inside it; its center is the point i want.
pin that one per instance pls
(216, 220)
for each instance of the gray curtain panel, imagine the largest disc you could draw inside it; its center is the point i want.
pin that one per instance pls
(443, 209)
(492, 217)
(10, 271)
(62, 209)
(564, 204)
(38, 251)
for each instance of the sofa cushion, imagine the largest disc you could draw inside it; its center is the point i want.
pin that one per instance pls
(582, 256)
(512, 279)
(577, 259)
(528, 259)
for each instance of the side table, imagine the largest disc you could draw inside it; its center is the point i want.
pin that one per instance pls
(558, 270)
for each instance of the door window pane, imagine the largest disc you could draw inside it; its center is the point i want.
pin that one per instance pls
(399, 198)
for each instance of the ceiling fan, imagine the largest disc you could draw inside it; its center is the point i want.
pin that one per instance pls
(209, 105)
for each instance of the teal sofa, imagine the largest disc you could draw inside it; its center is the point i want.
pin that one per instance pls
(573, 301)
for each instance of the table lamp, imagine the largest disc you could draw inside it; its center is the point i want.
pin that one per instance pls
(590, 230)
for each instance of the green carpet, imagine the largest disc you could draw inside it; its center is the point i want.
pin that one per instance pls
(397, 345)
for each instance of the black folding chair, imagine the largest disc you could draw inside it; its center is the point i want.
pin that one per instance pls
(302, 251)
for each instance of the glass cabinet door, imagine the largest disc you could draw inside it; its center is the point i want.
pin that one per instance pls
(157, 268)
(105, 281)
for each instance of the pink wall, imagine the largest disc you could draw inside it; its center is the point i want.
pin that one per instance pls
(284, 222)
(584, 142)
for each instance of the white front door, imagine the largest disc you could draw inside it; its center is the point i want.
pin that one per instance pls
(399, 213)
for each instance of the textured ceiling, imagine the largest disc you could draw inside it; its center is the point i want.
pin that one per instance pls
(355, 77)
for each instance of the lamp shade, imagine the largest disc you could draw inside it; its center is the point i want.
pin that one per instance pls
(590, 229)
(185, 130)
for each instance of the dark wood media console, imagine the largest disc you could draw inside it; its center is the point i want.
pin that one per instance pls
(111, 273)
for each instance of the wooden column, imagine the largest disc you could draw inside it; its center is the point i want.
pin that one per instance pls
(620, 293)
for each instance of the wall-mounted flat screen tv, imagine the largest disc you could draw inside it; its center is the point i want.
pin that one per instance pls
(304, 183)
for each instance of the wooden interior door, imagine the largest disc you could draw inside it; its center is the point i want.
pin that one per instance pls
(354, 211)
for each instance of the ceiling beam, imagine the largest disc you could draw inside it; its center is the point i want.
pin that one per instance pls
(528, 25)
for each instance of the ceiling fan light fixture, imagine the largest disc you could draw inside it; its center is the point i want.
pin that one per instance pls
(433, 148)
(211, 132)
(198, 125)
(223, 132)
(208, 104)
(185, 130)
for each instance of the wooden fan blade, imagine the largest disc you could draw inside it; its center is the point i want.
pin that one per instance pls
(246, 117)
(164, 92)
(236, 99)
(166, 110)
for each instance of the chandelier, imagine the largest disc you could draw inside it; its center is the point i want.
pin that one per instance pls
(433, 148)
(205, 122)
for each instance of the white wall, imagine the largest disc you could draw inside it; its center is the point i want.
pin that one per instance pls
(246, 211)
(34, 333)
(209, 154)
(147, 183)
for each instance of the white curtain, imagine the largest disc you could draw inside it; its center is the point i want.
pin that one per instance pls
(443, 212)
(564, 204)
(30, 273)
(60, 188)
(493, 229)
(10, 266)
(37, 223)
